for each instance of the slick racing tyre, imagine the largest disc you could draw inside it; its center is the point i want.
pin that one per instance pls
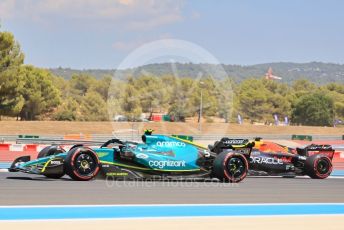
(50, 151)
(318, 166)
(230, 167)
(82, 164)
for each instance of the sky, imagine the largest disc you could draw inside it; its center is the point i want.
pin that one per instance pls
(85, 34)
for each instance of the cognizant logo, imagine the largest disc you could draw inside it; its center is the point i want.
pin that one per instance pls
(170, 144)
(162, 164)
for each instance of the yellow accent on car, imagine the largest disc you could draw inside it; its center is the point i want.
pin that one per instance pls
(117, 174)
(45, 165)
(189, 142)
(102, 153)
(240, 146)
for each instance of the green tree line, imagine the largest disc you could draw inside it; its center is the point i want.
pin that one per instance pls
(31, 93)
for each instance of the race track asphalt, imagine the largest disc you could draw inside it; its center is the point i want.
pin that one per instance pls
(24, 189)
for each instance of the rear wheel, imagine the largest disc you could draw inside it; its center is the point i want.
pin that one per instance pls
(50, 151)
(318, 166)
(230, 167)
(82, 164)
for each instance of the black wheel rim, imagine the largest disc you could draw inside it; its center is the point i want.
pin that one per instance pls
(85, 164)
(323, 166)
(235, 167)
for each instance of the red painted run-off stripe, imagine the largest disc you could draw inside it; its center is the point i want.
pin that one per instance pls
(11, 152)
(5, 147)
(9, 156)
(338, 165)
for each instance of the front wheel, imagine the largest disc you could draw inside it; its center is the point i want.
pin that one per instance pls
(82, 164)
(318, 166)
(230, 167)
(50, 151)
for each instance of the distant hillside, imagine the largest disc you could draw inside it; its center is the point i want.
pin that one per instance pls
(67, 73)
(317, 72)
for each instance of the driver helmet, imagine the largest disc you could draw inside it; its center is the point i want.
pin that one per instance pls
(149, 131)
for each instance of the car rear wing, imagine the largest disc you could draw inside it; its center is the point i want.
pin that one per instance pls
(243, 146)
(315, 149)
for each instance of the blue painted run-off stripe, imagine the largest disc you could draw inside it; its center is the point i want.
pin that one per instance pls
(337, 172)
(4, 165)
(142, 211)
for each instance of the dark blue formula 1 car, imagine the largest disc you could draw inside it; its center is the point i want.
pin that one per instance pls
(157, 157)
